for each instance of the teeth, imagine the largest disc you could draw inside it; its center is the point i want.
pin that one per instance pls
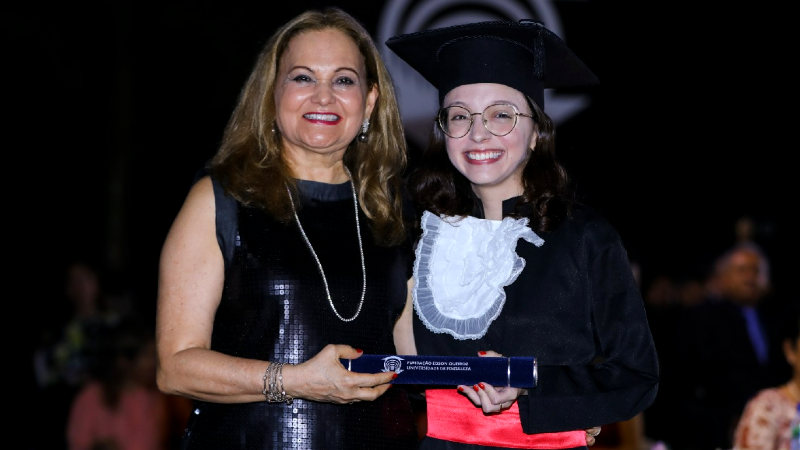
(328, 117)
(483, 155)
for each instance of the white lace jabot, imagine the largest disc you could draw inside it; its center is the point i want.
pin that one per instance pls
(460, 270)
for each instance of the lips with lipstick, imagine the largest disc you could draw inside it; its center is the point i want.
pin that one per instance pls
(322, 118)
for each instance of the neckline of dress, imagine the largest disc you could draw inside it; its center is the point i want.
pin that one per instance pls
(318, 190)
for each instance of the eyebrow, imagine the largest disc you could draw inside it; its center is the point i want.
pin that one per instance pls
(337, 70)
(493, 102)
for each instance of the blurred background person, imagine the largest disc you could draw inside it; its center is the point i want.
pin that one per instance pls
(67, 340)
(728, 349)
(669, 296)
(765, 422)
(68, 333)
(117, 408)
(120, 407)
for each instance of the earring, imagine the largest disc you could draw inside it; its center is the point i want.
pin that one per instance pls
(362, 137)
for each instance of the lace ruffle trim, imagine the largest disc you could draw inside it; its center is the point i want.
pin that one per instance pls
(461, 267)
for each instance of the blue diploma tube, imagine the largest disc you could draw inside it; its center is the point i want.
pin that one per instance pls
(514, 371)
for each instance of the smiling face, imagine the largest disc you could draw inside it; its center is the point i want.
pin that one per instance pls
(489, 161)
(321, 96)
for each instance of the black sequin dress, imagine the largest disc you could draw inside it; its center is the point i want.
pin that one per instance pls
(274, 308)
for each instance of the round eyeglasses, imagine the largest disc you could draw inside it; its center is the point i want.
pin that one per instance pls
(499, 119)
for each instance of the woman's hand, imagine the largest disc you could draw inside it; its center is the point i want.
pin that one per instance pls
(489, 398)
(493, 400)
(324, 379)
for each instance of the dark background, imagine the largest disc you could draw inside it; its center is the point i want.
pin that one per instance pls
(119, 104)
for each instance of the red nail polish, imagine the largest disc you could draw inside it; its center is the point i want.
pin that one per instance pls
(460, 389)
(359, 350)
(481, 352)
(394, 375)
(482, 385)
(475, 387)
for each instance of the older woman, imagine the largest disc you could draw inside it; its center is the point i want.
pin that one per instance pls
(291, 253)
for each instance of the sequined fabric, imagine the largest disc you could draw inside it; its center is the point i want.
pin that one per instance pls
(274, 307)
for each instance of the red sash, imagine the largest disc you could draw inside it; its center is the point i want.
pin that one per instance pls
(452, 417)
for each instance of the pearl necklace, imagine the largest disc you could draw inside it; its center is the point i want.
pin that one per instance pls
(316, 258)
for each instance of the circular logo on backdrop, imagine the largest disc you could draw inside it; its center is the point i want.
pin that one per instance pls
(417, 99)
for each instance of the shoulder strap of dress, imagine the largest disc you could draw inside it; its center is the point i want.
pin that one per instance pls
(227, 217)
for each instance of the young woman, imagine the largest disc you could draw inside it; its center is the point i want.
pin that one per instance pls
(508, 263)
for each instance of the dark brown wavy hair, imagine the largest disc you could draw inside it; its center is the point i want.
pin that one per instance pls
(249, 161)
(548, 196)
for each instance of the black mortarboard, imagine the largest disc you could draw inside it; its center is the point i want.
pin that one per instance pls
(524, 55)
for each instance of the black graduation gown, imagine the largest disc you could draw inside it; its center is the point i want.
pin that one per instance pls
(576, 307)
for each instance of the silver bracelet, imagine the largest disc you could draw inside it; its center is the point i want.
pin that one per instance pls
(274, 391)
(266, 375)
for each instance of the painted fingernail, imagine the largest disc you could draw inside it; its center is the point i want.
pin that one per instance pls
(359, 350)
(475, 386)
(481, 352)
(482, 385)
(460, 389)
(394, 375)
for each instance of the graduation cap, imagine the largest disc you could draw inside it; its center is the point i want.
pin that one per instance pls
(523, 55)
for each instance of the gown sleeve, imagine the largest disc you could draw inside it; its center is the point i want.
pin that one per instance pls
(617, 377)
